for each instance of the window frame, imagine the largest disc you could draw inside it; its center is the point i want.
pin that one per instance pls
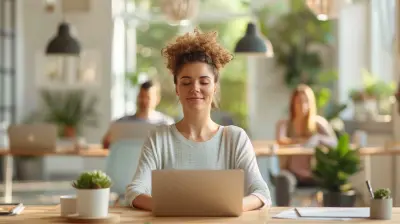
(8, 17)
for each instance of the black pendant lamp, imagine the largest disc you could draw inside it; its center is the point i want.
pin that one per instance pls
(63, 43)
(251, 42)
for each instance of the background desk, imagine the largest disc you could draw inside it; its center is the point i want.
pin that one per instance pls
(50, 214)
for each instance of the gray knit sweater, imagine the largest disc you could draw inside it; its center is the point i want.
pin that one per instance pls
(167, 148)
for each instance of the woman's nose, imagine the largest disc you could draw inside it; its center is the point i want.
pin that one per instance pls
(196, 86)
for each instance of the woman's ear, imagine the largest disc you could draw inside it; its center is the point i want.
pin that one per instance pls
(176, 91)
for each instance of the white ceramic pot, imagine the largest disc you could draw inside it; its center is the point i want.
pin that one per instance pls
(93, 202)
(381, 209)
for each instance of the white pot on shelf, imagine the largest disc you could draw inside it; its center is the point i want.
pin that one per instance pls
(93, 202)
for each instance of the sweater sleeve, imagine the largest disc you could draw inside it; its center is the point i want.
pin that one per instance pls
(246, 160)
(141, 183)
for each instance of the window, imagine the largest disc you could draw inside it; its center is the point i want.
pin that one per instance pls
(151, 38)
(144, 20)
(7, 62)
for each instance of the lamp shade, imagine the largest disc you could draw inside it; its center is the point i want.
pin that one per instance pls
(63, 42)
(326, 9)
(251, 42)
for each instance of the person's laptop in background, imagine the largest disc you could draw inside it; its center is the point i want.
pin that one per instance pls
(195, 193)
(32, 137)
(130, 130)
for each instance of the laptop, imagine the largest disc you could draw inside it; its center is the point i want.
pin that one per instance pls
(32, 137)
(130, 130)
(197, 193)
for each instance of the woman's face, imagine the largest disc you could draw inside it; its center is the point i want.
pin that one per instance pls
(195, 86)
(301, 104)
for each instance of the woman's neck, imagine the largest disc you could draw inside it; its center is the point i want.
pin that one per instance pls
(197, 126)
(299, 119)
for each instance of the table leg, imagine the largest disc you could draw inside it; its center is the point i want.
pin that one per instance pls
(394, 179)
(7, 175)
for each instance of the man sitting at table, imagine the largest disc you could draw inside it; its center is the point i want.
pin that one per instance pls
(147, 100)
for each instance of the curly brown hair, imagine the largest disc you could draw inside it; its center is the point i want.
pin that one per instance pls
(196, 47)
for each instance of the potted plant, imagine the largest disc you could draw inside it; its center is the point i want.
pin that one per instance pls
(93, 193)
(332, 171)
(69, 109)
(374, 96)
(297, 37)
(381, 205)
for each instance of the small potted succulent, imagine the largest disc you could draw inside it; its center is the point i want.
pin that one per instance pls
(93, 193)
(381, 205)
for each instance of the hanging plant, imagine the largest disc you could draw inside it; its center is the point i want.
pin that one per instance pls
(293, 36)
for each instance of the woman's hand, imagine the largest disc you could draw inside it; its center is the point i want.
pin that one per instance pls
(144, 202)
(251, 202)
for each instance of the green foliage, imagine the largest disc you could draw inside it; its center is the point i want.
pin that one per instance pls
(133, 78)
(92, 180)
(373, 88)
(334, 166)
(292, 36)
(383, 193)
(66, 108)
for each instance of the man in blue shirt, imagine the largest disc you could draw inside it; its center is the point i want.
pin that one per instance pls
(147, 100)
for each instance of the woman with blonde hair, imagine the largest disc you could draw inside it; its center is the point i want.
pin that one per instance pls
(304, 127)
(196, 141)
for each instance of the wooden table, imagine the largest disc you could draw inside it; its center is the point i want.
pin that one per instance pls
(261, 148)
(50, 214)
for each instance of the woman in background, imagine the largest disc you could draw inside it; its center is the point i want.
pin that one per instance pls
(304, 127)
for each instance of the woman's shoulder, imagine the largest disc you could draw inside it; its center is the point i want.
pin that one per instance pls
(321, 120)
(161, 130)
(235, 131)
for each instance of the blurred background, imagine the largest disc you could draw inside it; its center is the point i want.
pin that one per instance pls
(345, 50)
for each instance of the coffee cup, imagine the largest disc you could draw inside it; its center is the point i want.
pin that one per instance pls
(68, 205)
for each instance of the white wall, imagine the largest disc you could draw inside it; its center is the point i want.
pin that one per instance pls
(94, 30)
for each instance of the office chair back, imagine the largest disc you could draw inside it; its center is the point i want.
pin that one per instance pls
(122, 162)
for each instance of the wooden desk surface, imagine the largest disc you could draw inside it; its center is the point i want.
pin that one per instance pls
(50, 214)
(262, 148)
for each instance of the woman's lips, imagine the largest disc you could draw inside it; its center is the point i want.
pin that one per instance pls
(195, 99)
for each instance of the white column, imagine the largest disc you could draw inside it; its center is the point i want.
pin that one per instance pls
(396, 117)
(268, 97)
(353, 52)
(268, 100)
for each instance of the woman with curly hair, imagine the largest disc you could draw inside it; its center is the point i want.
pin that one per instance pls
(196, 141)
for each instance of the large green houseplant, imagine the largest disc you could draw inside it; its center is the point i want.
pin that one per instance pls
(295, 36)
(70, 110)
(333, 168)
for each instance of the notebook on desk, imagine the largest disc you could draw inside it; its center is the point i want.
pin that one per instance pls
(333, 212)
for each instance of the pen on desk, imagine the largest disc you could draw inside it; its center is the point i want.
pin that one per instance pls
(370, 189)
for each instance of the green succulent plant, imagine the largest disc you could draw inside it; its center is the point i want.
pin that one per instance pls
(383, 193)
(334, 166)
(92, 180)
